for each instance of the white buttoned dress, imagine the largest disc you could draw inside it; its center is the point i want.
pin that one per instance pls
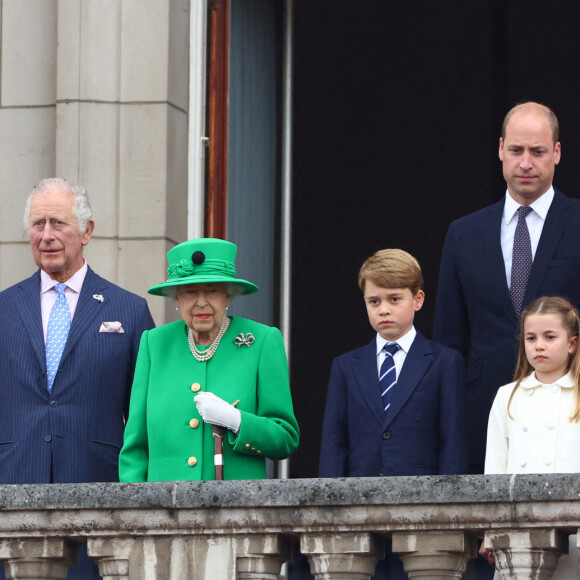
(539, 439)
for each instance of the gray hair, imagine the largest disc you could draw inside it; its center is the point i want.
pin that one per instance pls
(233, 290)
(81, 207)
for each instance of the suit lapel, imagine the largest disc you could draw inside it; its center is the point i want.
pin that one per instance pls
(86, 310)
(364, 366)
(415, 366)
(28, 306)
(494, 256)
(551, 234)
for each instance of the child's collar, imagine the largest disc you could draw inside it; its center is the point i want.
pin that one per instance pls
(531, 382)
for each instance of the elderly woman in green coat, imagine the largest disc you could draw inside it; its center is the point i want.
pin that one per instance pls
(207, 370)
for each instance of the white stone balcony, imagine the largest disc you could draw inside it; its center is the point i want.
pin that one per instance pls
(246, 529)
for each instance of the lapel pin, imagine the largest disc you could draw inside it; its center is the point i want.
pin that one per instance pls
(98, 297)
(247, 339)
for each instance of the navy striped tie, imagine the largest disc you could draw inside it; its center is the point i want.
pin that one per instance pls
(388, 374)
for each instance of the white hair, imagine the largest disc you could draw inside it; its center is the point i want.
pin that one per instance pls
(81, 207)
(233, 290)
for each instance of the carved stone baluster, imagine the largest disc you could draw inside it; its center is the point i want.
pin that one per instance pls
(38, 558)
(261, 557)
(434, 555)
(346, 556)
(526, 555)
(111, 556)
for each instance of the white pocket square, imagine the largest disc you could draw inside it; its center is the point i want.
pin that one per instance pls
(111, 327)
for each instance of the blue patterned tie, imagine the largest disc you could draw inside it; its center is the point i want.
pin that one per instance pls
(56, 335)
(521, 259)
(388, 374)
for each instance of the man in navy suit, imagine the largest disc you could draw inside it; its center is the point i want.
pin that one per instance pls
(68, 429)
(400, 417)
(474, 311)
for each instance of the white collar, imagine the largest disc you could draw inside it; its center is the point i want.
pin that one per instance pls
(75, 282)
(404, 342)
(540, 206)
(531, 382)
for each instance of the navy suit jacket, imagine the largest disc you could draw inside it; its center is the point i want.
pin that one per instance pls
(474, 313)
(76, 430)
(424, 431)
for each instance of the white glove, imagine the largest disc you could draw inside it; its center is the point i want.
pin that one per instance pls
(217, 411)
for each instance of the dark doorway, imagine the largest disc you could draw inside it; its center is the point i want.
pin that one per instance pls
(398, 109)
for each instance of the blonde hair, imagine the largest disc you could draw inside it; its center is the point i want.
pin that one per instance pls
(569, 316)
(392, 269)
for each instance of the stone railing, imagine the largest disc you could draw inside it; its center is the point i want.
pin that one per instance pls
(247, 529)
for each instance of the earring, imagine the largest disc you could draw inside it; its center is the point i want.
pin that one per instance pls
(227, 308)
(177, 308)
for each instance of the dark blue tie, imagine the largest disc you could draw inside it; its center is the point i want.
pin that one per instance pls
(521, 259)
(388, 374)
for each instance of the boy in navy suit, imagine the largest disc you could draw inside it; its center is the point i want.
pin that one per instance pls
(412, 420)
(418, 427)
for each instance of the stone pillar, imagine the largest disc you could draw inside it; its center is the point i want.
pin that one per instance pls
(37, 558)
(434, 555)
(27, 122)
(346, 556)
(112, 556)
(261, 557)
(526, 554)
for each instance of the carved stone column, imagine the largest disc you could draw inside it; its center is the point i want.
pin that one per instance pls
(111, 556)
(346, 556)
(261, 557)
(526, 554)
(434, 555)
(38, 558)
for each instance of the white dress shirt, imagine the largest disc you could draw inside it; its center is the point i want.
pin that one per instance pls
(48, 293)
(399, 357)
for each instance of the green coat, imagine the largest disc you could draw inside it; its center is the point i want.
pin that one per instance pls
(164, 430)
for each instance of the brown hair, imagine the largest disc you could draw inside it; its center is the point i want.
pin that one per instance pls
(570, 322)
(392, 269)
(539, 108)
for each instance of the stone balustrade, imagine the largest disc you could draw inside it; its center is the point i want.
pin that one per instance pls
(246, 530)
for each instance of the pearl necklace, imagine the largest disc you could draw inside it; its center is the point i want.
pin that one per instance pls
(204, 356)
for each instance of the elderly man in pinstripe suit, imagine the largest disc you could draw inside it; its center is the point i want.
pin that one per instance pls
(66, 426)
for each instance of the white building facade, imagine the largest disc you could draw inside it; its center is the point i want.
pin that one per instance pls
(119, 95)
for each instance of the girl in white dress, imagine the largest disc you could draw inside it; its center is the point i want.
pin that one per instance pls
(534, 422)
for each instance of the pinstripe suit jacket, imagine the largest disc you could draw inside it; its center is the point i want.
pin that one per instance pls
(76, 430)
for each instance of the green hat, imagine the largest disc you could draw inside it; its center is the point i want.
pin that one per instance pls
(202, 261)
